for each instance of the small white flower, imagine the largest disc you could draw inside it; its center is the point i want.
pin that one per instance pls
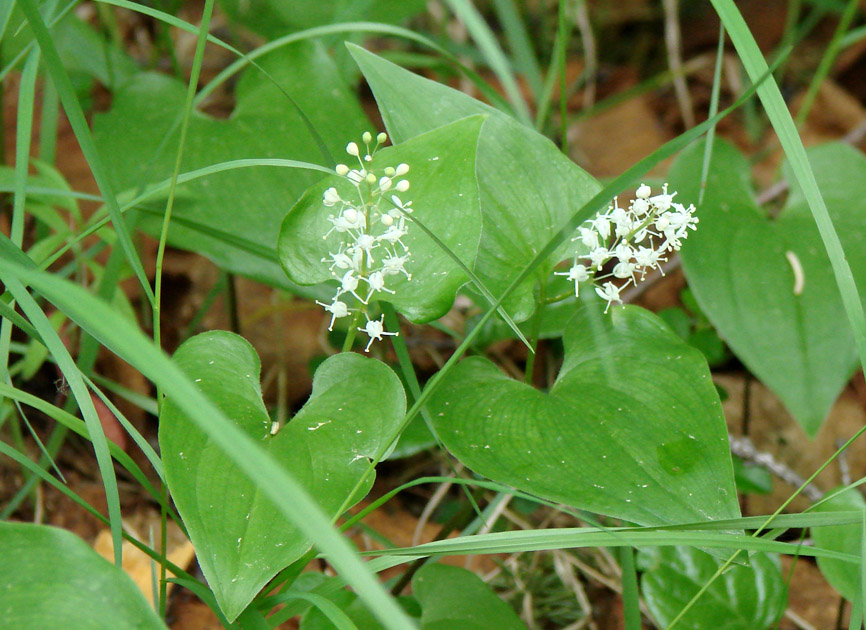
(394, 234)
(643, 192)
(356, 176)
(623, 252)
(377, 283)
(588, 237)
(640, 206)
(663, 201)
(609, 291)
(387, 220)
(348, 284)
(393, 265)
(375, 328)
(598, 257)
(602, 225)
(337, 309)
(577, 274)
(624, 270)
(331, 197)
(339, 260)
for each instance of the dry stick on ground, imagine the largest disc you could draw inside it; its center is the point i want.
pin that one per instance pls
(742, 447)
(675, 61)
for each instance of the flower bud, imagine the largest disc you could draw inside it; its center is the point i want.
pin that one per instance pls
(367, 137)
(402, 169)
(352, 149)
(402, 185)
(342, 170)
(382, 138)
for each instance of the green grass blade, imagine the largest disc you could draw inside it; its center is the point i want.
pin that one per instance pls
(520, 541)
(352, 27)
(125, 340)
(714, 108)
(630, 595)
(496, 59)
(79, 390)
(23, 132)
(198, 57)
(521, 45)
(826, 63)
(82, 133)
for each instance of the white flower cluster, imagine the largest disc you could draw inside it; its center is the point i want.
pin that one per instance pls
(638, 238)
(371, 248)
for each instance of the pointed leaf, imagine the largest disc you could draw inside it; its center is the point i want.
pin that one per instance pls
(529, 189)
(743, 598)
(767, 284)
(52, 578)
(240, 537)
(632, 428)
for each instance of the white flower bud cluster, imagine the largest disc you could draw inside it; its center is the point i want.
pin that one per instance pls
(371, 248)
(638, 238)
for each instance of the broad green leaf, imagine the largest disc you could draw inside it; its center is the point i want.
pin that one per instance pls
(452, 597)
(767, 284)
(743, 598)
(843, 576)
(52, 578)
(444, 197)
(240, 537)
(632, 427)
(232, 217)
(275, 17)
(528, 188)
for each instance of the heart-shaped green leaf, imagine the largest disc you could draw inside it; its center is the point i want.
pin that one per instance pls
(444, 197)
(843, 576)
(632, 427)
(452, 597)
(240, 538)
(743, 598)
(766, 284)
(232, 217)
(529, 189)
(52, 578)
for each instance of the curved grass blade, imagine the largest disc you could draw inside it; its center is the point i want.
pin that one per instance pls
(85, 140)
(497, 60)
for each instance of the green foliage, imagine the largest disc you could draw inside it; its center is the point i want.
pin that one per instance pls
(743, 598)
(444, 197)
(528, 188)
(632, 427)
(452, 597)
(52, 578)
(232, 217)
(744, 267)
(241, 538)
(843, 576)
(275, 17)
